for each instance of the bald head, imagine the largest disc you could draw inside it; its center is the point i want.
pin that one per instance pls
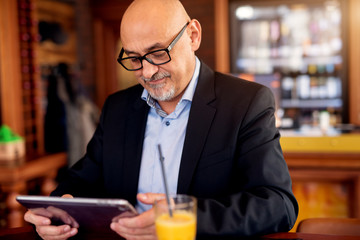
(149, 28)
(152, 16)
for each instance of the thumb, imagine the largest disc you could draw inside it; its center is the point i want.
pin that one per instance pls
(67, 196)
(149, 198)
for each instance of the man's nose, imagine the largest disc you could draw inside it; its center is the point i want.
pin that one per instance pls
(148, 69)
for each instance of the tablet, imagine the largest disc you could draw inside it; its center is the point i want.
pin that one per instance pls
(87, 214)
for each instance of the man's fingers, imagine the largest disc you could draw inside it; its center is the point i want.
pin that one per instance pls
(140, 226)
(149, 198)
(48, 231)
(36, 219)
(141, 221)
(67, 196)
(56, 232)
(53, 230)
(138, 237)
(121, 229)
(134, 233)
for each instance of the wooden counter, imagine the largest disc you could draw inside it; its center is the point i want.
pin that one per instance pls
(325, 171)
(14, 180)
(344, 143)
(28, 233)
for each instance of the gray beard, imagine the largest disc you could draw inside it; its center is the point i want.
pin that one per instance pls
(160, 95)
(157, 92)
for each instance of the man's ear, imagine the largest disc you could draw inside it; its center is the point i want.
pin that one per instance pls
(195, 34)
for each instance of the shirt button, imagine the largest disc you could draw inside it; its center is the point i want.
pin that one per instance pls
(167, 123)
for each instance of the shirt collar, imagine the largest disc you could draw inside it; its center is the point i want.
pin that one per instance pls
(189, 91)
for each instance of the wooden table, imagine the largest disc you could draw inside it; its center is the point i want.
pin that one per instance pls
(14, 179)
(307, 236)
(28, 233)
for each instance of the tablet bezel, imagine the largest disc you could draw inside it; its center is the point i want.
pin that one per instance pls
(84, 210)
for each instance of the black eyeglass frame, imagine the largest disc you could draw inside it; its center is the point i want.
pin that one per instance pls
(167, 50)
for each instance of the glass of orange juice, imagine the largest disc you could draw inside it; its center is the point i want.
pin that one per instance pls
(182, 224)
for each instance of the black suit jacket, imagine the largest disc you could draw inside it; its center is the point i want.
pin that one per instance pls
(231, 161)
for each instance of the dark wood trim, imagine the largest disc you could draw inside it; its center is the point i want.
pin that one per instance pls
(343, 168)
(338, 161)
(222, 49)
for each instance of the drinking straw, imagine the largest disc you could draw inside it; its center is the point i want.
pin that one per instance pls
(165, 181)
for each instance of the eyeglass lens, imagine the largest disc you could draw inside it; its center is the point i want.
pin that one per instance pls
(156, 57)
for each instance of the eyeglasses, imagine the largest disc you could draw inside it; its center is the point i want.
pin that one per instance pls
(157, 57)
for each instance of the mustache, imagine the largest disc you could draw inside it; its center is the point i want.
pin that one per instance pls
(156, 76)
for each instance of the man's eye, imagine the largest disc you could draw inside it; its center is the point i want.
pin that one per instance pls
(158, 54)
(133, 60)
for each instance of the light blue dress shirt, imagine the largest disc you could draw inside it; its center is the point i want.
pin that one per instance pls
(169, 132)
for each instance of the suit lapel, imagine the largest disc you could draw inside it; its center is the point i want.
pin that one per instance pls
(200, 118)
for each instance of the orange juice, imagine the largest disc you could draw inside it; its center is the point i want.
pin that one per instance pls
(182, 226)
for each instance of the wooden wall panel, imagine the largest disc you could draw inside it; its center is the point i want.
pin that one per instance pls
(203, 11)
(11, 89)
(325, 184)
(107, 16)
(354, 61)
(222, 48)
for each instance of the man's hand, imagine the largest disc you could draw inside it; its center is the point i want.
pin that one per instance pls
(48, 231)
(141, 226)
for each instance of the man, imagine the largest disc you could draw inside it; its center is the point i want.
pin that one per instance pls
(217, 133)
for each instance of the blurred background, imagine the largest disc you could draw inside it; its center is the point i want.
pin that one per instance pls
(58, 65)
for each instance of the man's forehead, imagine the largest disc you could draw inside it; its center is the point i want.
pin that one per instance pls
(144, 37)
(131, 50)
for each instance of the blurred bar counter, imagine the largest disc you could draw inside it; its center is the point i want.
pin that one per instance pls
(342, 143)
(22, 178)
(325, 172)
